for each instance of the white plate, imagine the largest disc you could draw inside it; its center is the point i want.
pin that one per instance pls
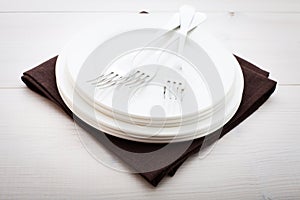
(83, 53)
(99, 120)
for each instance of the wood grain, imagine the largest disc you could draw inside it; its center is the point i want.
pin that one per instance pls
(42, 157)
(153, 5)
(29, 39)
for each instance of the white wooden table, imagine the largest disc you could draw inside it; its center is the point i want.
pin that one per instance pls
(41, 156)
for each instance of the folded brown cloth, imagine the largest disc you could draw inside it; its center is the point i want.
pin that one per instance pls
(257, 89)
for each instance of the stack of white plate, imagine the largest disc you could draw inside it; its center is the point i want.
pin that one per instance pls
(186, 95)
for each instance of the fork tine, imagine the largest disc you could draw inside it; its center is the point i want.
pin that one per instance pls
(100, 77)
(107, 80)
(135, 80)
(139, 81)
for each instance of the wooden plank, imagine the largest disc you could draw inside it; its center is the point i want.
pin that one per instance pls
(154, 5)
(268, 40)
(42, 157)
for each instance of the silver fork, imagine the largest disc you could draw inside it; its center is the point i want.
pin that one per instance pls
(139, 77)
(113, 79)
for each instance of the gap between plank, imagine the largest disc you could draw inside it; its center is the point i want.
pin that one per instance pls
(131, 11)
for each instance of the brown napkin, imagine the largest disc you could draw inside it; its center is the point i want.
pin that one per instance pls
(258, 88)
